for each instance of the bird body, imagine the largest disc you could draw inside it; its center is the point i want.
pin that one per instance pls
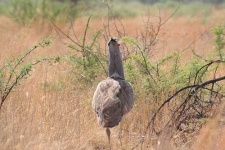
(112, 99)
(114, 96)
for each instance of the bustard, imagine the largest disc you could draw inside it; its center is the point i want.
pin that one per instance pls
(113, 96)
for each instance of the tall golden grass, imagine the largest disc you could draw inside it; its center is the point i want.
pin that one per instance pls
(48, 111)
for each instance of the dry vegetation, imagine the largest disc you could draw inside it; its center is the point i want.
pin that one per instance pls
(51, 109)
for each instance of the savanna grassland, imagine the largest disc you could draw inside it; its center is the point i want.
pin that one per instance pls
(57, 60)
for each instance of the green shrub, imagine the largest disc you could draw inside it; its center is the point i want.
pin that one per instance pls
(26, 11)
(116, 9)
(219, 41)
(15, 70)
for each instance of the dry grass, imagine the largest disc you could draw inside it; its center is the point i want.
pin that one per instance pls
(212, 135)
(36, 116)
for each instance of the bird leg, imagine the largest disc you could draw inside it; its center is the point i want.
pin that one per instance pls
(108, 135)
(120, 136)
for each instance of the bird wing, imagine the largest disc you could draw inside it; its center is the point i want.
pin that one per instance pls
(126, 96)
(105, 94)
(106, 103)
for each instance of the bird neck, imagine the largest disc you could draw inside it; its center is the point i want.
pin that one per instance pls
(115, 63)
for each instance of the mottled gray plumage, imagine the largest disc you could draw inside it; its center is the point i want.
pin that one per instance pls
(112, 99)
(114, 96)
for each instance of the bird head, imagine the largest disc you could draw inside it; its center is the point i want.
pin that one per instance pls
(113, 40)
(114, 45)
